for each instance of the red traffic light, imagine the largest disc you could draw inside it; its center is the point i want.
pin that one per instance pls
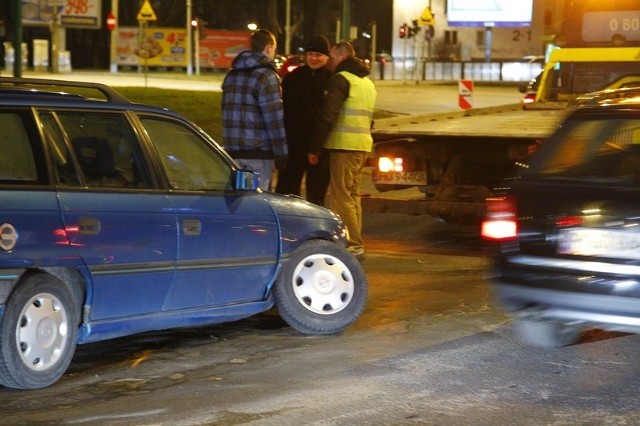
(403, 31)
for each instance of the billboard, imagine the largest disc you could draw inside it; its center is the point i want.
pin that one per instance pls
(219, 48)
(166, 47)
(489, 13)
(70, 13)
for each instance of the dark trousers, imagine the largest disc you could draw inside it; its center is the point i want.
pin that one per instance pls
(317, 181)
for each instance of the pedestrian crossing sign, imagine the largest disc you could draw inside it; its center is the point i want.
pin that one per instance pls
(426, 18)
(146, 12)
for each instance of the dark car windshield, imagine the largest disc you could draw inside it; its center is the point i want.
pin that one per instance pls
(595, 148)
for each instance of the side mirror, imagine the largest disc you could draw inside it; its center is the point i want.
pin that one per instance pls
(247, 180)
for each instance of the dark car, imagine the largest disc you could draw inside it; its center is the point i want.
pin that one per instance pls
(568, 229)
(119, 218)
(609, 96)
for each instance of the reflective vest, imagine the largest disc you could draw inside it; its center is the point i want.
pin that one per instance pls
(352, 131)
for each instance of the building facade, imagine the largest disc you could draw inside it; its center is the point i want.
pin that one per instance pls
(472, 43)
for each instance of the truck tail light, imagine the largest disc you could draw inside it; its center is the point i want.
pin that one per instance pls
(388, 164)
(500, 222)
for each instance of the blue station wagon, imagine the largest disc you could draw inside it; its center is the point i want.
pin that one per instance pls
(119, 218)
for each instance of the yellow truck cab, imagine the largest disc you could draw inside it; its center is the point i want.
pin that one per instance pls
(571, 72)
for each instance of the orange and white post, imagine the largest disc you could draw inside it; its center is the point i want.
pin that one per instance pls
(465, 94)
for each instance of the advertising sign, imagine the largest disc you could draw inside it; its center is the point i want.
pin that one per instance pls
(489, 13)
(219, 48)
(166, 47)
(159, 47)
(71, 13)
(602, 26)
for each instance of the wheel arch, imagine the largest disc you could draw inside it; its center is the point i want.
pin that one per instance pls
(71, 277)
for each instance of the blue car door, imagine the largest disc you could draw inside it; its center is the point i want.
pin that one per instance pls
(228, 242)
(123, 228)
(31, 229)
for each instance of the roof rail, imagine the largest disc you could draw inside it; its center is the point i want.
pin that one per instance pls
(108, 92)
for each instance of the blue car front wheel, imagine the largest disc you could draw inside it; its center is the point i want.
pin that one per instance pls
(322, 288)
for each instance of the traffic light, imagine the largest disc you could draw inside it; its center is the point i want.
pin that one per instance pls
(403, 30)
(415, 29)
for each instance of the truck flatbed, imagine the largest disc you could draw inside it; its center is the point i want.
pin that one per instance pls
(499, 121)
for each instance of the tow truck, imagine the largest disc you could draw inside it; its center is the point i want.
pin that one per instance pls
(458, 158)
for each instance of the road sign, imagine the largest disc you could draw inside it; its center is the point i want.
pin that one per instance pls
(146, 12)
(111, 21)
(426, 18)
(465, 94)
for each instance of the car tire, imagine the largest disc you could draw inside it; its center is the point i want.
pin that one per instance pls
(38, 334)
(322, 288)
(546, 333)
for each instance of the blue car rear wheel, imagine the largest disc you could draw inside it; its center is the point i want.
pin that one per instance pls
(38, 333)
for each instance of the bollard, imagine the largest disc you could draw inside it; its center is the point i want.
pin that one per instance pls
(465, 94)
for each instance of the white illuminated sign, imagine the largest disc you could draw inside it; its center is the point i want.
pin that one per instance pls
(489, 13)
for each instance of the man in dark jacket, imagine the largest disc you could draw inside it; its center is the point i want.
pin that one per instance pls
(344, 130)
(303, 93)
(252, 116)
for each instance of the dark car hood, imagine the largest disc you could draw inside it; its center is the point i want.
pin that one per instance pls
(292, 205)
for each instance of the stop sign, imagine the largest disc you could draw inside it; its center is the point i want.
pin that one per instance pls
(111, 21)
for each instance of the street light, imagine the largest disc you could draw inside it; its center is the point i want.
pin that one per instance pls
(252, 26)
(195, 24)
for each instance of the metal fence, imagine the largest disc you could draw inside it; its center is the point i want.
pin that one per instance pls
(454, 71)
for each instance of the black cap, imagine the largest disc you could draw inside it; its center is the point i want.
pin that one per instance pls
(319, 44)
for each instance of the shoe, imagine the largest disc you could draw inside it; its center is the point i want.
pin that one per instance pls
(358, 252)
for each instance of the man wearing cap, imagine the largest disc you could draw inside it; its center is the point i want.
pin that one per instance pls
(304, 91)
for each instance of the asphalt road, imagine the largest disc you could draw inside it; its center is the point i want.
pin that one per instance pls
(430, 349)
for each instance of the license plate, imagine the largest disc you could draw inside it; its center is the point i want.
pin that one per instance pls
(599, 242)
(400, 178)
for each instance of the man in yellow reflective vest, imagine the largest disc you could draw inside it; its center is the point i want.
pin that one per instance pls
(345, 131)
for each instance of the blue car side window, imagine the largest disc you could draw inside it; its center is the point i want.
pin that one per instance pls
(106, 150)
(64, 167)
(20, 164)
(189, 162)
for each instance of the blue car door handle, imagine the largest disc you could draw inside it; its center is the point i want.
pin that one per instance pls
(191, 227)
(89, 226)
